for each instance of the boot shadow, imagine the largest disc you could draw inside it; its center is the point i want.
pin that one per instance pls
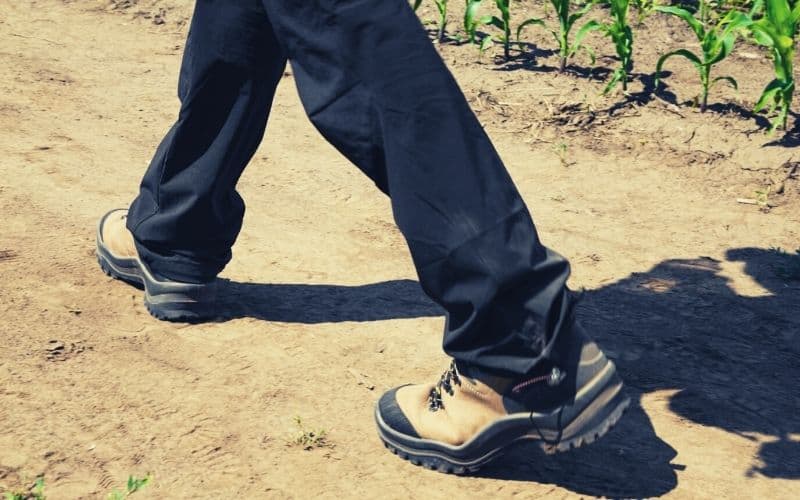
(629, 462)
(303, 303)
(732, 361)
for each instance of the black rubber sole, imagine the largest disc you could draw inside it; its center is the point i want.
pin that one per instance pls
(164, 300)
(596, 418)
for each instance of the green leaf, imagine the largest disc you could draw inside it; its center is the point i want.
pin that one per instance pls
(680, 52)
(528, 22)
(581, 34)
(764, 33)
(555, 35)
(470, 14)
(502, 5)
(770, 93)
(486, 43)
(417, 3)
(687, 16)
(497, 23)
(725, 47)
(571, 20)
(780, 16)
(728, 79)
(734, 20)
(616, 77)
(758, 6)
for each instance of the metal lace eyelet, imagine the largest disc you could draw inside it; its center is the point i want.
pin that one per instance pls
(556, 376)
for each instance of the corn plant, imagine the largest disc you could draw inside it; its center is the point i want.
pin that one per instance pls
(471, 23)
(504, 23)
(472, 20)
(716, 44)
(133, 485)
(778, 31)
(441, 6)
(566, 22)
(621, 35)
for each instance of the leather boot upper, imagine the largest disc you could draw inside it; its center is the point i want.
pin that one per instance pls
(467, 399)
(116, 236)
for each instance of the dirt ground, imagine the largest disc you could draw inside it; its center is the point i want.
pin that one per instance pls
(684, 287)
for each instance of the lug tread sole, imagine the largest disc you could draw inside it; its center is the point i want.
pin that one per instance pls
(177, 316)
(582, 439)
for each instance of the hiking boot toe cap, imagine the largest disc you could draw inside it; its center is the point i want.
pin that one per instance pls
(393, 416)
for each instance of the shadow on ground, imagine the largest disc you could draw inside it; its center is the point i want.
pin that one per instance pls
(734, 361)
(301, 303)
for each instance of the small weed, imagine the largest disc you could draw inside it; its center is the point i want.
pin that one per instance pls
(134, 484)
(306, 438)
(762, 198)
(36, 492)
(561, 150)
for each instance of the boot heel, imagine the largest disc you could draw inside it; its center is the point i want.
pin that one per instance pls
(174, 301)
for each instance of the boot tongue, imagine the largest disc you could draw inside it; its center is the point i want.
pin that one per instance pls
(474, 373)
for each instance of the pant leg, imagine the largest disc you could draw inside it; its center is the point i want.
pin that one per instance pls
(471, 237)
(188, 213)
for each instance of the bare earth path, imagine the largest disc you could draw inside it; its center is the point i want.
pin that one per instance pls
(322, 302)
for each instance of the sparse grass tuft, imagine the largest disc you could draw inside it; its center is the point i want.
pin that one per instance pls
(308, 439)
(134, 484)
(36, 492)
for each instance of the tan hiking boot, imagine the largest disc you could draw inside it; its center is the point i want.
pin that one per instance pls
(164, 298)
(470, 417)
(117, 238)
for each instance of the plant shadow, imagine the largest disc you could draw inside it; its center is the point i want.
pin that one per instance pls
(647, 94)
(791, 138)
(731, 108)
(721, 108)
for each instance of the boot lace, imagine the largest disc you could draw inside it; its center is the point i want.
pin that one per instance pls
(449, 378)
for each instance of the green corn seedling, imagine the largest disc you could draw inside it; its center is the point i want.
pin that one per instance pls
(716, 44)
(621, 35)
(566, 22)
(778, 31)
(441, 6)
(472, 20)
(133, 485)
(504, 23)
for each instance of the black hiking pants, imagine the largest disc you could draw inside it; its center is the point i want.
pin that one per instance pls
(372, 83)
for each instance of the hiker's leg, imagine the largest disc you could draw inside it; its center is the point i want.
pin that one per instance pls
(371, 67)
(188, 213)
